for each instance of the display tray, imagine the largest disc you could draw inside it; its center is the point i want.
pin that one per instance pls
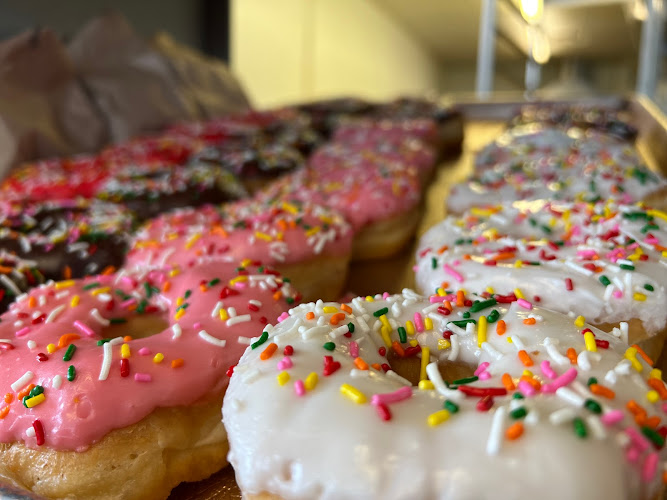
(484, 122)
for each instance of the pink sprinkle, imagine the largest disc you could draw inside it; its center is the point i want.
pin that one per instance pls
(612, 417)
(481, 368)
(586, 254)
(527, 389)
(85, 329)
(392, 397)
(484, 376)
(450, 297)
(524, 303)
(632, 454)
(285, 363)
(651, 240)
(127, 303)
(637, 439)
(385, 295)
(383, 412)
(650, 467)
(144, 351)
(454, 274)
(128, 281)
(299, 388)
(545, 366)
(419, 322)
(565, 379)
(415, 268)
(23, 331)
(197, 325)
(354, 349)
(142, 377)
(617, 294)
(283, 317)
(435, 299)
(664, 407)
(241, 285)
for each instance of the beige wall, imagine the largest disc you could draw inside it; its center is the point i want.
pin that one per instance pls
(290, 50)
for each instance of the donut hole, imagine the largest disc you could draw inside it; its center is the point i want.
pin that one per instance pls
(409, 368)
(137, 327)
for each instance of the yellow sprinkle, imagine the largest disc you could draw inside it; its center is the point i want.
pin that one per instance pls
(369, 298)
(443, 344)
(518, 263)
(639, 296)
(290, 208)
(353, 394)
(509, 339)
(566, 215)
(35, 400)
(664, 254)
(437, 418)
(426, 357)
(125, 351)
(527, 373)
(329, 309)
(409, 327)
(51, 348)
(385, 321)
(489, 289)
(426, 385)
(64, 284)
(653, 396)
(579, 322)
(428, 324)
(179, 301)
(634, 256)
(657, 213)
(631, 355)
(262, 236)
(246, 262)
(158, 358)
(384, 333)
(238, 279)
(413, 342)
(441, 292)
(179, 314)
(74, 302)
(313, 230)
(481, 331)
(223, 314)
(193, 239)
(283, 378)
(98, 291)
(656, 373)
(589, 339)
(482, 212)
(174, 272)
(311, 381)
(518, 293)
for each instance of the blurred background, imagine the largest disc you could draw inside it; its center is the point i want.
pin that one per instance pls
(294, 50)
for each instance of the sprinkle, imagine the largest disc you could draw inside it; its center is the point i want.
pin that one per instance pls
(39, 431)
(311, 381)
(69, 353)
(125, 351)
(353, 394)
(204, 335)
(56, 382)
(268, 351)
(437, 418)
(71, 373)
(600, 390)
(142, 377)
(283, 378)
(650, 466)
(569, 396)
(329, 346)
(481, 330)
(631, 355)
(453, 273)
(589, 338)
(106, 361)
(238, 319)
(177, 363)
(514, 431)
(22, 381)
(524, 303)
(83, 328)
(525, 358)
(158, 358)
(494, 441)
(176, 331)
(501, 327)
(263, 338)
(392, 397)
(579, 427)
(35, 400)
(424, 363)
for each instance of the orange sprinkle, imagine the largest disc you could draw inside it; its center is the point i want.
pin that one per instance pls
(25, 391)
(514, 431)
(109, 270)
(360, 363)
(202, 287)
(397, 348)
(346, 308)
(532, 381)
(467, 256)
(501, 327)
(652, 422)
(460, 299)
(177, 363)
(67, 273)
(269, 351)
(643, 354)
(5, 269)
(504, 256)
(601, 390)
(337, 318)
(32, 302)
(127, 338)
(444, 285)
(529, 321)
(448, 305)
(281, 224)
(659, 386)
(277, 295)
(167, 286)
(507, 382)
(525, 358)
(442, 249)
(664, 477)
(310, 315)
(67, 339)
(9, 397)
(572, 354)
(4, 412)
(376, 366)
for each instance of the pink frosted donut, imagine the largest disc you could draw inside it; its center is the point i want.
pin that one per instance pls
(307, 242)
(87, 410)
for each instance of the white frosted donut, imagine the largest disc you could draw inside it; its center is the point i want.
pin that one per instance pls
(327, 422)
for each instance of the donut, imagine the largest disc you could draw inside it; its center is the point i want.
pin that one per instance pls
(16, 277)
(507, 402)
(600, 262)
(307, 242)
(113, 383)
(66, 238)
(149, 189)
(170, 148)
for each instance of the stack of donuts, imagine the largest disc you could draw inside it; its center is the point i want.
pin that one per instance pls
(133, 280)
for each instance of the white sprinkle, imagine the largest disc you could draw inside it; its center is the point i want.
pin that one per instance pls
(231, 311)
(250, 376)
(471, 328)
(456, 329)
(563, 415)
(216, 310)
(578, 268)
(363, 325)
(18, 324)
(244, 340)
(623, 367)
(255, 302)
(439, 384)
(395, 376)
(10, 284)
(62, 295)
(57, 382)
(454, 353)
(106, 361)
(596, 427)
(624, 331)
(533, 417)
(42, 300)
(23, 381)
(491, 351)
(104, 297)
(356, 373)
(204, 335)
(497, 427)
(396, 309)
(30, 432)
(314, 331)
(583, 362)
(555, 355)
(32, 344)
(176, 331)
(337, 332)
(95, 314)
(518, 343)
(238, 319)
(569, 396)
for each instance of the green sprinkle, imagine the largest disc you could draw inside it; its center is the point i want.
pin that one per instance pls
(593, 406)
(289, 300)
(148, 289)
(461, 323)
(493, 316)
(329, 346)
(187, 294)
(648, 287)
(627, 267)
(546, 229)
(90, 286)
(467, 380)
(517, 395)
(36, 391)
(579, 427)
(214, 282)
(434, 262)
(465, 315)
(653, 436)
(604, 280)
(350, 326)
(479, 306)
(533, 222)
(402, 335)
(103, 341)
(71, 373)
(636, 215)
(648, 227)
(381, 312)
(69, 353)
(262, 338)
(518, 413)
(591, 381)
(185, 305)
(117, 321)
(451, 406)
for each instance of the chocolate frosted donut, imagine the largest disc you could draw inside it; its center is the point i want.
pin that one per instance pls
(16, 277)
(66, 238)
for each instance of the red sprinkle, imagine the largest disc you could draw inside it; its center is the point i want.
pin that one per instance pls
(6, 346)
(41, 357)
(382, 351)
(385, 367)
(412, 351)
(569, 286)
(482, 391)
(39, 319)
(230, 370)
(39, 432)
(288, 351)
(485, 403)
(506, 299)
(124, 367)
(447, 334)
(330, 366)
(383, 412)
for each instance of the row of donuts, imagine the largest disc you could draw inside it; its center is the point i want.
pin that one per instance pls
(526, 368)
